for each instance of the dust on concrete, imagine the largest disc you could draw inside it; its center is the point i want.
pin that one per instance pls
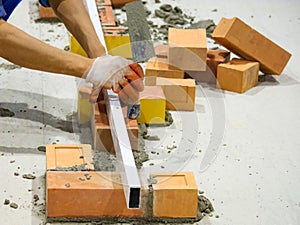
(28, 176)
(41, 148)
(6, 66)
(6, 113)
(13, 205)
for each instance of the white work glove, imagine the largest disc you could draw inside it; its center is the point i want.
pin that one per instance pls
(116, 72)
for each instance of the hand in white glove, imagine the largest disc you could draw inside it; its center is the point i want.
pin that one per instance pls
(118, 73)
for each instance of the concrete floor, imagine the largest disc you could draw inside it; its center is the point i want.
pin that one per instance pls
(254, 172)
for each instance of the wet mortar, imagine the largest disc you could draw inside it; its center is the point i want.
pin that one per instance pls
(166, 16)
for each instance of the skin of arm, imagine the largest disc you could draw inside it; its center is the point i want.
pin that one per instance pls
(75, 17)
(22, 49)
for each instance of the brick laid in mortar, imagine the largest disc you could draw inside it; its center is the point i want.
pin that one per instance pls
(100, 196)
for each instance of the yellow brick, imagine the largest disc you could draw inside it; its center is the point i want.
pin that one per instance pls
(84, 107)
(75, 47)
(153, 105)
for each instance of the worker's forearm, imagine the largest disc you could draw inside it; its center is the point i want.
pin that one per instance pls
(76, 19)
(22, 49)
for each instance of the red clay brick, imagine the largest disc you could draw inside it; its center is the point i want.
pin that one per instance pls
(120, 3)
(213, 59)
(106, 16)
(238, 75)
(102, 131)
(71, 194)
(175, 195)
(180, 93)
(46, 13)
(62, 156)
(216, 57)
(249, 44)
(187, 49)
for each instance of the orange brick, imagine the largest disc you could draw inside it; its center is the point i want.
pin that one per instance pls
(120, 3)
(46, 12)
(62, 156)
(238, 75)
(161, 51)
(249, 44)
(71, 194)
(187, 49)
(106, 16)
(213, 59)
(158, 67)
(102, 131)
(103, 2)
(175, 195)
(180, 93)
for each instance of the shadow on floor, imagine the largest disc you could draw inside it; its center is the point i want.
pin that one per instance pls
(21, 109)
(13, 150)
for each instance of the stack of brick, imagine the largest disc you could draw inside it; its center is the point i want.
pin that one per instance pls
(116, 38)
(186, 51)
(256, 51)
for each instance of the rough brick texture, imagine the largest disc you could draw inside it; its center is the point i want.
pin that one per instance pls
(238, 75)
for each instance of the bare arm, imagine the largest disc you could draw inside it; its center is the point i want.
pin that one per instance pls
(22, 49)
(75, 17)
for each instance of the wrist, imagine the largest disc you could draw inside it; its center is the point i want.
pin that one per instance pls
(87, 65)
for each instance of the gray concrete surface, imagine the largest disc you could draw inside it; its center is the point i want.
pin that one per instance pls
(255, 178)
